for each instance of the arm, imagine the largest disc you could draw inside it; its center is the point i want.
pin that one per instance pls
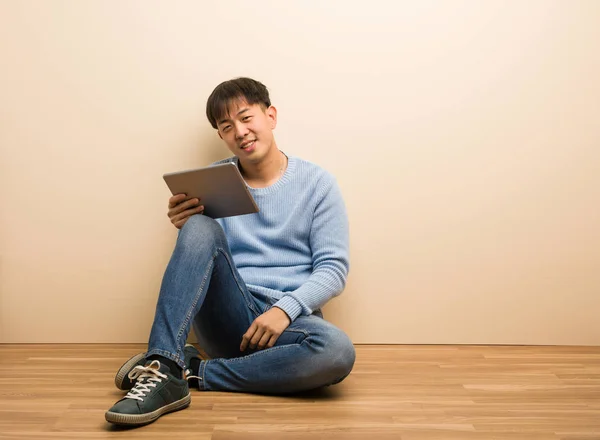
(329, 241)
(329, 244)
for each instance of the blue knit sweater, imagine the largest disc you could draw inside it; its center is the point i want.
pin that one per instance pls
(295, 250)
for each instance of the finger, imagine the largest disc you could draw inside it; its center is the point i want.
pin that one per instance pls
(176, 199)
(185, 214)
(183, 206)
(180, 224)
(260, 332)
(247, 336)
(266, 337)
(180, 207)
(272, 341)
(182, 221)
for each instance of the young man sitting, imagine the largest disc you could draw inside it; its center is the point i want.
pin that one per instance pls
(253, 285)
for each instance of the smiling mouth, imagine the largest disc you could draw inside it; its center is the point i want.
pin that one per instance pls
(247, 144)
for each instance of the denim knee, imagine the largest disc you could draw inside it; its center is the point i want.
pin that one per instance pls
(341, 354)
(200, 231)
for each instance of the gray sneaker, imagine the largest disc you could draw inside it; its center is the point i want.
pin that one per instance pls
(156, 392)
(122, 380)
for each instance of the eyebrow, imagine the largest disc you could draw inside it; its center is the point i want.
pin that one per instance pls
(222, 121)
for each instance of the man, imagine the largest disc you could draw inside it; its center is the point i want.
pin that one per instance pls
(253, 285)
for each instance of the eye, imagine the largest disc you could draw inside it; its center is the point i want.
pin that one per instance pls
(246, 118)
(226, 128)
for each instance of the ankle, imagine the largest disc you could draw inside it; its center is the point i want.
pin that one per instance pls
(195, 370)
(176, 370)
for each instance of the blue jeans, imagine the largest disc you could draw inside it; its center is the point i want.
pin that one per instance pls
(202, 287)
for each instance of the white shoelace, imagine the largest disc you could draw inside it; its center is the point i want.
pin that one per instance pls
(147, 377)
(188, 376)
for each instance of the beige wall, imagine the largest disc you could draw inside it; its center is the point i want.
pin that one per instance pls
(465, 136)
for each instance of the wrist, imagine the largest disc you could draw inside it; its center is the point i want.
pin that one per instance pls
(283, 313)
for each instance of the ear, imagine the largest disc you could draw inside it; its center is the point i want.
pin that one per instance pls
(271, 113)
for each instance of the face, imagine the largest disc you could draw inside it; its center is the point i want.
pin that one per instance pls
(248, 130)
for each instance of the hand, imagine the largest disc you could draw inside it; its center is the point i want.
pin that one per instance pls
(180, 210)
(266, 329)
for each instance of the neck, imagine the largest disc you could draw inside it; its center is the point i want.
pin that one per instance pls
(267, 171)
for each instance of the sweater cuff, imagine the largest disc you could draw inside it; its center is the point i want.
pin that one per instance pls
(290, 306)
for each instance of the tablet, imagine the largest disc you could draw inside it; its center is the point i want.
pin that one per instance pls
(220, 188)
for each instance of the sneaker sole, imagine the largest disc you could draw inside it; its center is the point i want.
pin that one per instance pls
(143, 419)
(125, 369)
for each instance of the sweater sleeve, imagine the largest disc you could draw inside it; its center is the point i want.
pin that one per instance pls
(329, 242)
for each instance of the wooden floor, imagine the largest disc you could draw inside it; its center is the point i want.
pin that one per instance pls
(394, 392)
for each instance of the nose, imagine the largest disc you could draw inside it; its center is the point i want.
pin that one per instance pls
(240, 131)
